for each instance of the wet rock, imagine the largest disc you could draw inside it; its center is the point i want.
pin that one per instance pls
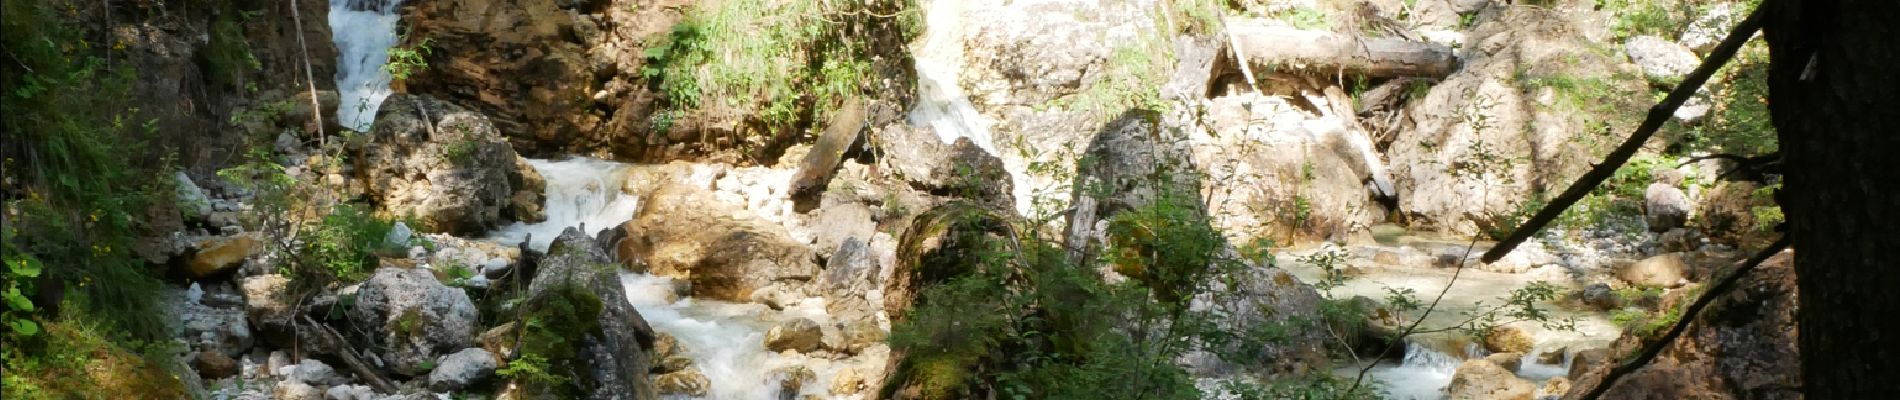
(526, 203)
(793, 378)
(688, 382)
(1508, 339)
(1737, 347)
(459, 370)
(213, 365)
(1508, 361)
(1553, 357)
(1662, 271)
(1587, 359)
(847, 382)
(800, 335)
(1483, 380)
(221, 254)
(414, 317)
(614, 354)
(683, 232)
(453, 172)
(1665, 207)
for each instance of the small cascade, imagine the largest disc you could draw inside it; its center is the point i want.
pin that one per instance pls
(363, 30)
(1422, 375)
(580, 192)
(940, 102)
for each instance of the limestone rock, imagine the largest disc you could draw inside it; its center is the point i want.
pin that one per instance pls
(1599, 296)
(459, 370)
(1507, 360)
(1482, 380)
(615, 355)
(1660, 59)
(800, 335)
(413, 317)
(1508, 339)
(1663, 271)
(1710, 28)
(1665, 207)
(684, 233)
(453, 171)
(315, 373)
(960, 168)
(351, 392)
(847, 382)
(210, 327)
(191, 199)
(221, 254)
(688, 382)
(267, 302)
(293, 390)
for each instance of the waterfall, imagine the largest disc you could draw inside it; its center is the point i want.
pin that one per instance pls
(1423, 375)
(363, 30)
(580, 191)
(940, 102)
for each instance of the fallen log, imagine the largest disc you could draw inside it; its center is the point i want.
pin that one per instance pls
(814, 172)
(1283, 49)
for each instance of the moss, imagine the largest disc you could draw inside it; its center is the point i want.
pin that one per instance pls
(556, 322)
(77, 361)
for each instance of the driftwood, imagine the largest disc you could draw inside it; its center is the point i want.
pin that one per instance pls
(840, 132)
(321, 339)
(1280, 48)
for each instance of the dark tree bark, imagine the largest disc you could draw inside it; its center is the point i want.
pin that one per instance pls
(1834, 90)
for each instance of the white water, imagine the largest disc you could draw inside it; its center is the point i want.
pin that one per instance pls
(1423, 374)
(363, 30)
(940, 102)
(725, 340)
(580, 191)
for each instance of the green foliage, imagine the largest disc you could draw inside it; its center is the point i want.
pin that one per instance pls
(786, 60)
(228, 55)
(552, 327)
(531, 369)
(1653, 18)
(1739, 122)
(1306, 18)
(406, 61)
(1131, 80)
(343, 245)
(79, 169)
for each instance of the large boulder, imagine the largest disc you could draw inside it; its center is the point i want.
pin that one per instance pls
(1661, 59)
(1662, 271)
(444, 165)
(1739, 347)
(459, 370)
(218, 255)
(1278, 172)
(960, 168)
(683, 232)
(1127, 167)
(1665, 207)
(1520, 119)
(1480, 379)
(412, 318)
(591, 332)
(800, 335)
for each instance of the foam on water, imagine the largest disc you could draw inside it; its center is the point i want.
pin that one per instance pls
(725, 340)
(1423, 375)
(363, 30)
(580, 191)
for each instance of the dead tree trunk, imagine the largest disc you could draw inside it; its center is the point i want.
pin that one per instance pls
(1282, 49)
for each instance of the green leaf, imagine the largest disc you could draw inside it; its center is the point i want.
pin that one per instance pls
(16, 301)
(28, 267)
(24, 327)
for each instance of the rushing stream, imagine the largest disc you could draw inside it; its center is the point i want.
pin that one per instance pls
(725, 340)
(363, 30)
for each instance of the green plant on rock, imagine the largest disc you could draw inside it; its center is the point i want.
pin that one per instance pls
(552, 325)
(407, 61)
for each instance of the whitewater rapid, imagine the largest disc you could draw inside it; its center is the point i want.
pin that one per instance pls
(363, 31)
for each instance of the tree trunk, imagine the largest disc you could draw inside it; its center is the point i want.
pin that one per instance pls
(1283, 49)
(1835, 100)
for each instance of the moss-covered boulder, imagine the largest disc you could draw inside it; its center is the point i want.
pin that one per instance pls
(586, 340)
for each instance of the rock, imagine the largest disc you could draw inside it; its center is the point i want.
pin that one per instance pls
(1709, 29)
(1600, 297)
(800, 335)
(833, 224)
(277, 363)
(351, 392)
(1553, 357)
(1509, 339)
(1122, 176)
(221, 254)
(1483, 380)
(793, 378)
(453, 172)
(315, 373)
(413, 317)
(292, 390)
(1556, 386)
(1662, 271)
(213, 365)
(961, 168)
(847, 382)
(267, 302)
(1261, 152)
(850, 274)
(1660, 59)
(1508, 361)
(683, 232)
(1665, 207)
(209, 327)
(1586, 360)
(191, 199)
(1433, 164)
(529, 186)
(1737, 347)
(1264, 298)
(941, 244)
(858, 335)
(688, 382)
(399, 235)
(613, 355)
(464, 368)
